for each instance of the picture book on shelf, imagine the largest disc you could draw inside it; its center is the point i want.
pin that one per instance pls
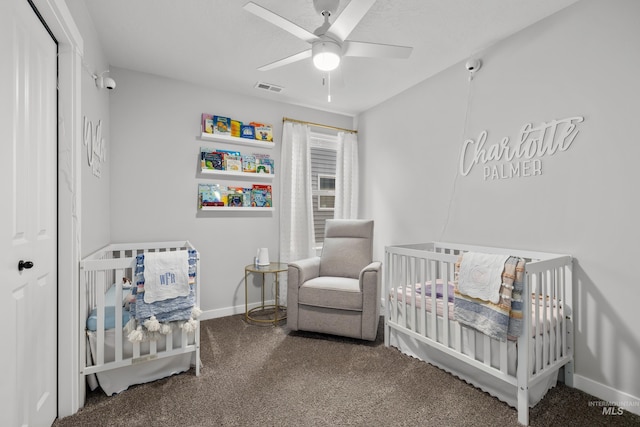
(249, 164)
(261, 196)
(207, 123)
(264, 165)
(221, 125)
(247, 131)
(233, 163)
(212, 160)
(235, 128)
(263, 132)
(235, 200)
(210, 195)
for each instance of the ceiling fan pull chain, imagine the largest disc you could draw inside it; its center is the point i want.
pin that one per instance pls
(329, 86)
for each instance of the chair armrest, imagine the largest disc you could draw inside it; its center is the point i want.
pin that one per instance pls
(370, 278)
(307, 269)
(374, 267)
(370, 283)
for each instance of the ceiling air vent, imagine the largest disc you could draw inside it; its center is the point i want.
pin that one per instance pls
(268, 87)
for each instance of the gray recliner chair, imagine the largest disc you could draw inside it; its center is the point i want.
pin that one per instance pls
(338, 292)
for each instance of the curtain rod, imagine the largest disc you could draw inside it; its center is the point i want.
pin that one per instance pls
(287, 119)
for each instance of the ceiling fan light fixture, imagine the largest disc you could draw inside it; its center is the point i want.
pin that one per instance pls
(326, 55)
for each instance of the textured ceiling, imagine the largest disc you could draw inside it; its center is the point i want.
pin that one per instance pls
(218, 44)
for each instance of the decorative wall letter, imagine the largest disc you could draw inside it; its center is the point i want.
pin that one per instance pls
(96, 150)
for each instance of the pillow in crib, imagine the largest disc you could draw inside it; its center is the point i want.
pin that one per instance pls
(440, 291)
(110, 295)
(109, 318)
(109, 310)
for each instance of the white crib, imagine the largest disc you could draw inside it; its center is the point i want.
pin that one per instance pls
(104, 347)
(518, 372)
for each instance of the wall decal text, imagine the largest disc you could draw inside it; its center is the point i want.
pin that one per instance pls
(504, 159)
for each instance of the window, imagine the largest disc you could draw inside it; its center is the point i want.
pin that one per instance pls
(323, 180)
(326, 192)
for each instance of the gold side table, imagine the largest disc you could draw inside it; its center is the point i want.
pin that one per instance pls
(274, 312)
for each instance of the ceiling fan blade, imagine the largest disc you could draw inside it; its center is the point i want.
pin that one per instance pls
(375, 50)
(349, 18)
(288, 60)
(281, 22)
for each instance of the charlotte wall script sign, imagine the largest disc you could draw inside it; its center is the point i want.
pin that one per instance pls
(522, 158)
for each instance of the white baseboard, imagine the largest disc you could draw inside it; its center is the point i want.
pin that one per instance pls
(228, 311)
(607, 394)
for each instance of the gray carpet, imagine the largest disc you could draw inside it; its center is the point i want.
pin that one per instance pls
(269, 376)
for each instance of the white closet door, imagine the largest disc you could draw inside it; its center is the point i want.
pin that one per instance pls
(28, 225)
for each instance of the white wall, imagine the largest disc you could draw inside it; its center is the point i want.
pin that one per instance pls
(95, 107)
(582, 61)
(155, 124)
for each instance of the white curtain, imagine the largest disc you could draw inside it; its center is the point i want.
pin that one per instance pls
(346, 206)
(297, 240)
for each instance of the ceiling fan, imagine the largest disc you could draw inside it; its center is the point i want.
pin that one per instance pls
(328, 42)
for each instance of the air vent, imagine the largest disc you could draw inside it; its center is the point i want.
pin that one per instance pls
(268, 87)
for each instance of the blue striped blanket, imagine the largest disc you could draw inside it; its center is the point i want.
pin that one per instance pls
(169, 310)
(502, 320)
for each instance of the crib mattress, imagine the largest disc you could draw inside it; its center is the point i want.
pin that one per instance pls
(117, 380)
(403, 294)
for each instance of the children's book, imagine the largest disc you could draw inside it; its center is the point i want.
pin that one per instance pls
(247, 131)
(261, 196)
(210, 195)
(264, 165)
(263, 132)
(233, 163)
(246, 197)
(249, 163)
(235, 200)
(207, 123)
(212, 160)
(221, 125)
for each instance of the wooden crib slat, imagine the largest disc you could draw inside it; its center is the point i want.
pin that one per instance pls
(504, 357)
(100, 317)
(561, 312)
(422, 278)
(546, 319)
(118, 320)
(169, 341)
(411, 284)
(432, 277)
(472, 340)
(136, 350)
(185, 337)
(486, 350)
(403, 284)
(553, 316)
(444, 269)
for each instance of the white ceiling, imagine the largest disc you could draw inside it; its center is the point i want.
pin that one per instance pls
(218, 44)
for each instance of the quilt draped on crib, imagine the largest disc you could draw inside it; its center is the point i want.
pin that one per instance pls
(150, 320)
(499, 320)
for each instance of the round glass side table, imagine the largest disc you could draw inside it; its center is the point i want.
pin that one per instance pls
(265, 313)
